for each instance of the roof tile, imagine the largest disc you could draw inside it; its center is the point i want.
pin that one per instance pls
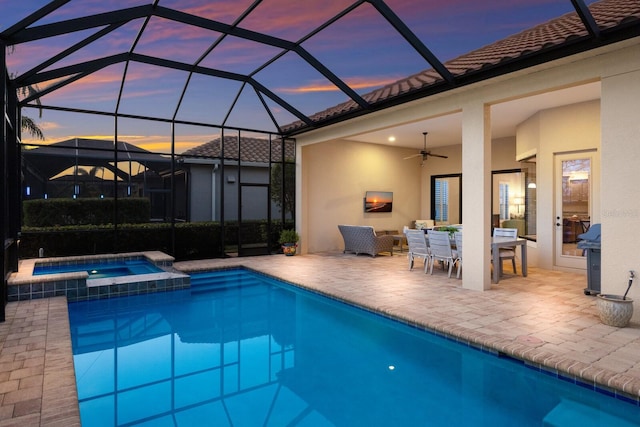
(252, 149)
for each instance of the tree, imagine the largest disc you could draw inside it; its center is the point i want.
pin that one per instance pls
(28, 124)
(284, 199)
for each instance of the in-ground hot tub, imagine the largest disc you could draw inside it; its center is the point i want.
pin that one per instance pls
(100, 270)
(95, 276)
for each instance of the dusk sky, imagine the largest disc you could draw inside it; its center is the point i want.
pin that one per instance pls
(361, 48)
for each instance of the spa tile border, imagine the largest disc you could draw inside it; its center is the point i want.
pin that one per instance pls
(75, 286)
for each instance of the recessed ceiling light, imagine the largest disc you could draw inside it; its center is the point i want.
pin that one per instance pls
(392, 138)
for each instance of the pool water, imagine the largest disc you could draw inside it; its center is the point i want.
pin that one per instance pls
(242, 349)
(100, 270)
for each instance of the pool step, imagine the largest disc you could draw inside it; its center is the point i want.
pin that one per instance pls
(233, 282)
(202, 282)
(221, 275)
(569, 412)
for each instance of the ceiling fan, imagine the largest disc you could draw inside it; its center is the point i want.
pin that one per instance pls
(424, 153)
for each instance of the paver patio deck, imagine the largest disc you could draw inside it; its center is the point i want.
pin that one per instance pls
(544, 319)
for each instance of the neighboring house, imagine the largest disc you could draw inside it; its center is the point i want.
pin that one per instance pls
(82, 167)
(85, 168)
(243, 180)
(581, 106)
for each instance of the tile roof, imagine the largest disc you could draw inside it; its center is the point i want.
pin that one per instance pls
(555, 33)
(252, 149)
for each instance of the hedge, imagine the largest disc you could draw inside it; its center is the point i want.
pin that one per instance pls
(199, 240)
(94, 211)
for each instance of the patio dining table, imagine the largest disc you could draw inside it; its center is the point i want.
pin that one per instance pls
(507, 242)
(502, 242)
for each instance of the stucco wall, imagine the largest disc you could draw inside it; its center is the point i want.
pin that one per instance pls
(205, 181)
(570, 128)
(336, 176)
(201, 208)
(620, 183)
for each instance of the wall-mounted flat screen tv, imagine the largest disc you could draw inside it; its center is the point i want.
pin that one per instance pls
(378, 201)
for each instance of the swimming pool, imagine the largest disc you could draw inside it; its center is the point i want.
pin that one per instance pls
(101, 270)
(240, 348)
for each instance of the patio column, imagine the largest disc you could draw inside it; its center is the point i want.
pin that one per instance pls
(620, 198)
(302, 216)
(476, 196)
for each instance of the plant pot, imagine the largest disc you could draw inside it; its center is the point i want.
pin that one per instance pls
(289, 249)
(614, 311)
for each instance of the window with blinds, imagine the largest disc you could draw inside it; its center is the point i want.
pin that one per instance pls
(504, 200)
(442, 200)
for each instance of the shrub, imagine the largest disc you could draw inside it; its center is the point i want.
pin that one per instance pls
(198, 240)
(62, 212)
(289, 236)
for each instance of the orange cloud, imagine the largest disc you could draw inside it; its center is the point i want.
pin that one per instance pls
(104, 85)
(179, 38)
(291, 20)
(162, 143)
(226, 12)
(45, 126)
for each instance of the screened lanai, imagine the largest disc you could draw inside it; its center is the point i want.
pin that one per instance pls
(171, 76)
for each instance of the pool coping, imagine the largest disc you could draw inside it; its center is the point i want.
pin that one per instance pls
(26, 266)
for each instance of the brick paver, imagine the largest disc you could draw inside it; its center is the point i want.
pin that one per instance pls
(28, 338)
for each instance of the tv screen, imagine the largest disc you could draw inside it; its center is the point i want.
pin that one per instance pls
(378, 201)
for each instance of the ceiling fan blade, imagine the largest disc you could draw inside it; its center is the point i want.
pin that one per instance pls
(438, 155)
(412, 156)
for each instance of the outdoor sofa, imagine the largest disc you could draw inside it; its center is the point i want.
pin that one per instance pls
(362, 239)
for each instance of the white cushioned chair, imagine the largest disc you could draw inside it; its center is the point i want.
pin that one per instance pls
(425, 224)
(508, 252)
(458, 239)
(440, 249)
(417, 247)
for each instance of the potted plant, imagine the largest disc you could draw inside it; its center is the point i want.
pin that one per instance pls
(289, 241)
(449, 229)
(616, 310)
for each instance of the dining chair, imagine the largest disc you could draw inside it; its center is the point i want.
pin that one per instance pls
(440, 249)
(458, 239)
(417, 247)
(507, 252)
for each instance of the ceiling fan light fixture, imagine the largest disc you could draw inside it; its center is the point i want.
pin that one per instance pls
(424, 153)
